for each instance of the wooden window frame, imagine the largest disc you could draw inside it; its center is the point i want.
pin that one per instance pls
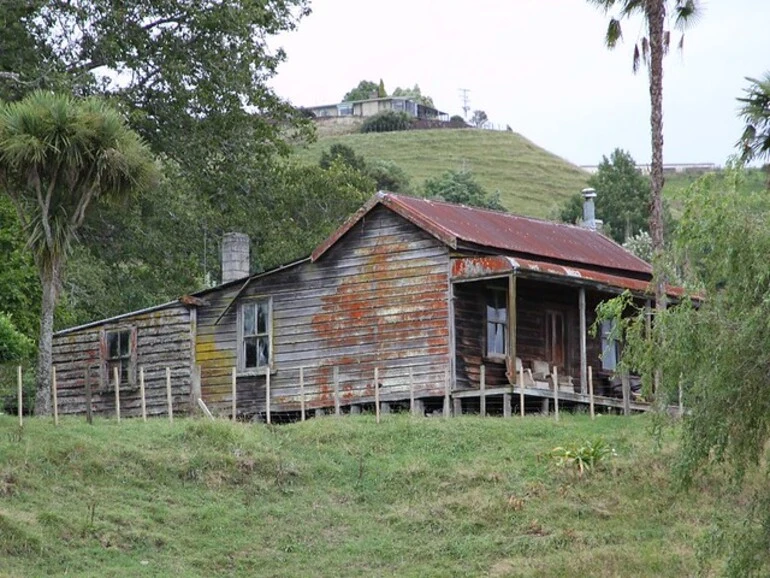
(108, 383)
(241, 354)
(503, 320)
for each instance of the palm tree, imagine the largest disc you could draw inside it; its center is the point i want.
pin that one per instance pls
(650, 49)
(755, 111)
(57, 156)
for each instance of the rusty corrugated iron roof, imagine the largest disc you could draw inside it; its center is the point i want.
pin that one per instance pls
(453, 224)
(469, 268)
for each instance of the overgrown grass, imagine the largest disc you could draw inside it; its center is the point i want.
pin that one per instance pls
(342, 497)
(531, 180)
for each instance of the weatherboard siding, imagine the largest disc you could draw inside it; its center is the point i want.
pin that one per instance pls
(377, 298)
(161, 338)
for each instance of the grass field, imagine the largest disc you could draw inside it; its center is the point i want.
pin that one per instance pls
(531, 180)
(343, 497)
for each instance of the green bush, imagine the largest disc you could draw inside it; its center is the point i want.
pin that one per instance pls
(457, 121)
(387, 121)
(583, 458)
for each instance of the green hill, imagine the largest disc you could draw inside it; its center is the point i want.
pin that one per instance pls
(345, 497)
(531, 180)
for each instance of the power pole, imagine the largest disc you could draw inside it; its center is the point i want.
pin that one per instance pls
(466, 101)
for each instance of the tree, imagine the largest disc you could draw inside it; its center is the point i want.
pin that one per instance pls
(341, 153)
(622, 201)
(57, 156)
(364, 91)
(461, 187)
(650, 49)
(479, 118)
(719, 353)
(755, 112)
(381, 92)
(415, 94)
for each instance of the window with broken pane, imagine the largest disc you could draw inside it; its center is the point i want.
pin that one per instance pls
(255, 329)
(118, 346)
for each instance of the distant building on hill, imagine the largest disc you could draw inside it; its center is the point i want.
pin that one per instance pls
(372, 106)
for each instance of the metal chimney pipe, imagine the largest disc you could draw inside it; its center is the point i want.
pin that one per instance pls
(235, 256)
(589, 210)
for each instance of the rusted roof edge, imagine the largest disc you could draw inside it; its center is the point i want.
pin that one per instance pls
(118, 317)
(391, 202)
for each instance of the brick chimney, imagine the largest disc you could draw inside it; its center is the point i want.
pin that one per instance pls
(235, 256)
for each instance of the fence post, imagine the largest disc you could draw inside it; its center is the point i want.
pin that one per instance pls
(377, 393)
(302, 392)
(336, 371)
(591, 391)
(142, 394)
(412, 408)
(483, 392)
(89, 407)
(21, 396)
(169, 400)
(555, 393)
(447, 409)
(234, 387)
(521, 390)
(116, 379)
(55, 395)
(267, 395)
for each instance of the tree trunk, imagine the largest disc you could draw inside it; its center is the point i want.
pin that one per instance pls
(49, 278)
(656, 16)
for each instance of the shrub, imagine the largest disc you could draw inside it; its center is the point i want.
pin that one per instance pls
(457, 121)
(585, 457)
(387, 121)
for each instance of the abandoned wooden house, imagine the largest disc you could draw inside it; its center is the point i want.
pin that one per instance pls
(422, 293)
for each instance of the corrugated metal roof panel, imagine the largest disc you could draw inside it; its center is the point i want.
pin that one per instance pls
(517, 234)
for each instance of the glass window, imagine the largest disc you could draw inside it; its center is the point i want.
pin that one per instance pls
(497, 323)
(610, 346)
(255, 334)
(119, 355)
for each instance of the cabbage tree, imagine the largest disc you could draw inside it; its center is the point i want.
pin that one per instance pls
(58, 155)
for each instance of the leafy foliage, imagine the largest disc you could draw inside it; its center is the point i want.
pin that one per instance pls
(718, 352)
(623, 198)
(479, 119)
(387, 121)
(341, 153)
(456, 121)
(365, 90)
(415, 94)
(14, 345)
(755, 112)
(461, 187)
(583, 458)
(387, 175)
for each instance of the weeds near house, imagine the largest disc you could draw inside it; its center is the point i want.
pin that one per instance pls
(583, 458)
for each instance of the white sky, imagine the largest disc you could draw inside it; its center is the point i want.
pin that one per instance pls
(538, 65)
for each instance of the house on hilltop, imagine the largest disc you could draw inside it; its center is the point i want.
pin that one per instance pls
(372, 106)
(423, 292)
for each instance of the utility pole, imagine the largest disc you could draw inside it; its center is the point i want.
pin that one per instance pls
(466, 101)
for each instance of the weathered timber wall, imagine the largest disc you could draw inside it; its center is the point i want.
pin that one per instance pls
(163, 338)
(378, 298)
(533, 300)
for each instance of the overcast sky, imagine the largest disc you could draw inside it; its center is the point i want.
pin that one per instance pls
(539, 66)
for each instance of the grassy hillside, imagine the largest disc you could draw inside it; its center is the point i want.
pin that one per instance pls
(342, 497)
(531, 180)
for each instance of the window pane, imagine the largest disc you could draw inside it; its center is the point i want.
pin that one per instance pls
(113, 345)
(250, 352)
(124, 373)
(264, 352)
(262, 316)
(249, 323)
(125, 337)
